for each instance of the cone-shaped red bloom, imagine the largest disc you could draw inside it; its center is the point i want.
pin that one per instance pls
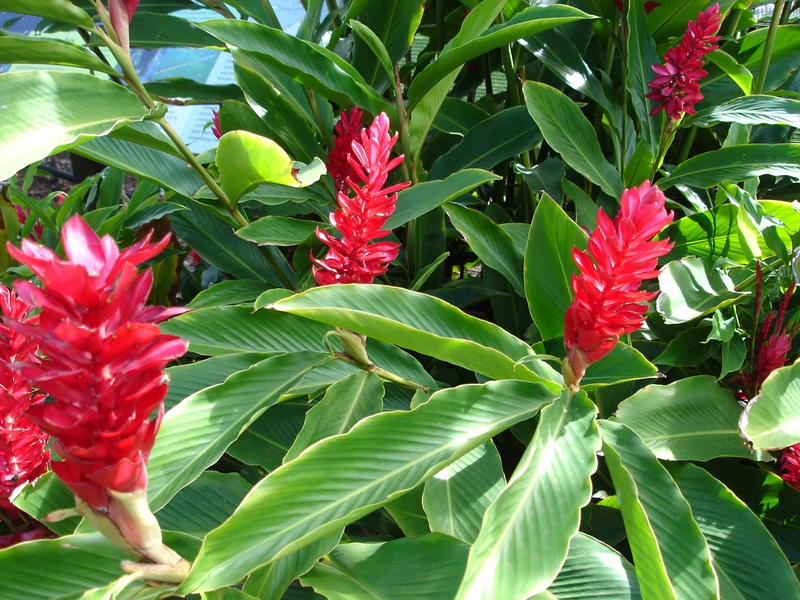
(675, 86)
(361, 218)
(120, 14)
(346, 131)
(215, 128)
(102, 358)
(22, 443)
(620, 255)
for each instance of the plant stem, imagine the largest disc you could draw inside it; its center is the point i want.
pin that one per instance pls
(763, 66)
(686, 144)
(323, 128)
(267, 6)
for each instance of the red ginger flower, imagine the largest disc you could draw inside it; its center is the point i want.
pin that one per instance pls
(675, 86)
(23, 457)
(102, 359)
(620, 255)
(361, 218)
(347, 131)
(215, 128)
(120, 14)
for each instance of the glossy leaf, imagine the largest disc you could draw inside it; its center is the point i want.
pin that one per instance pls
(570, 134)
(490, 242)
(641, 57)
(58, 10)
(691, 419)
(265, 442)
(195, 433)
(670, 553)
(412, 446)
(549, 266)
(278, 231)
(728, 525)
(456, 498)
(418, 199)
(623, 363)
(691, 288)
(46, 495)
(751, 110)
(229, 292)
(735, 163)
(87, 107)
(558, 463)
(426, 567)
(771, 420)
(423, 324)
(27, 50)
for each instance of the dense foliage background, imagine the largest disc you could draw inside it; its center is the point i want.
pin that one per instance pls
(413, 437)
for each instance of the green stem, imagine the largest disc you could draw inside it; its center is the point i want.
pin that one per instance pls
(763, 67)
(732, 22)
(323, 127)
(333, 7)
(686, 144)
(267, 6)
(409, 172)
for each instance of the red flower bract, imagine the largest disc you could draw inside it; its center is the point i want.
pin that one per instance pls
(347, 131)
(360, 219)
(620, 255)
(675, 86)
(120, 13)
(102, 358)
(22, 443)
(215, 128)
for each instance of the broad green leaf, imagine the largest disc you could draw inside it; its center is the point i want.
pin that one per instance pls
(195, 433)
(366, 37)
(47, 111)
(205, 504)
(508, 133)
(728, 526)
(691, 419)
(594, 570)
(623, 363)
(693, 287)
(490, 242)
(142, 161)
(346, 402)
(771, 421)
(345, 477)
(153, 30)
(456, 498)
(641, 57)
(407, 511)
(751, 110)
(307, 63)
(735, 163)
(216, 242)
(270, 581)
(58, 10)
(246, 160)
(426, 567)
(671, 556)
(48, 494)
(229, 292)
(26, 50)
(549, 266)
(417, 200)
(458, 116)
(278, 231)
(265, 442)
(558, 463)
(525, 23)
(569, 133)
(423, 324)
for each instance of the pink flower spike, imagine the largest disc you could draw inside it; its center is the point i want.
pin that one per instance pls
(620, 255)
(215, 128)
(120, 13)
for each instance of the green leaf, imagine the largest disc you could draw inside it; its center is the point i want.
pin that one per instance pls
(558, 463)
(592, 569)
(692, 419)
(232, 329)
(268, 438)
(153, 30)
(549, 266)
(490, 242)
(641, 57)
(46, 495)
(26, 50)
(246, 160)
(458, 116)
(735, 163)
(307, 63)
(87, 107)
(340, 480)
(423, 324)
(623, 363)
(456, 498)
(691, 288)
(569, 133)
(671, 556)
(407, 510)
(508, 133)
(346, 402)
(728, 526)
(205, 504)
(195, 433)
(57, 10)
(771, 421)
(427, 567)
(419, 199)
(457, 52)
(278, 231)
(380, 58)
(229, 292)
(751, 110)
